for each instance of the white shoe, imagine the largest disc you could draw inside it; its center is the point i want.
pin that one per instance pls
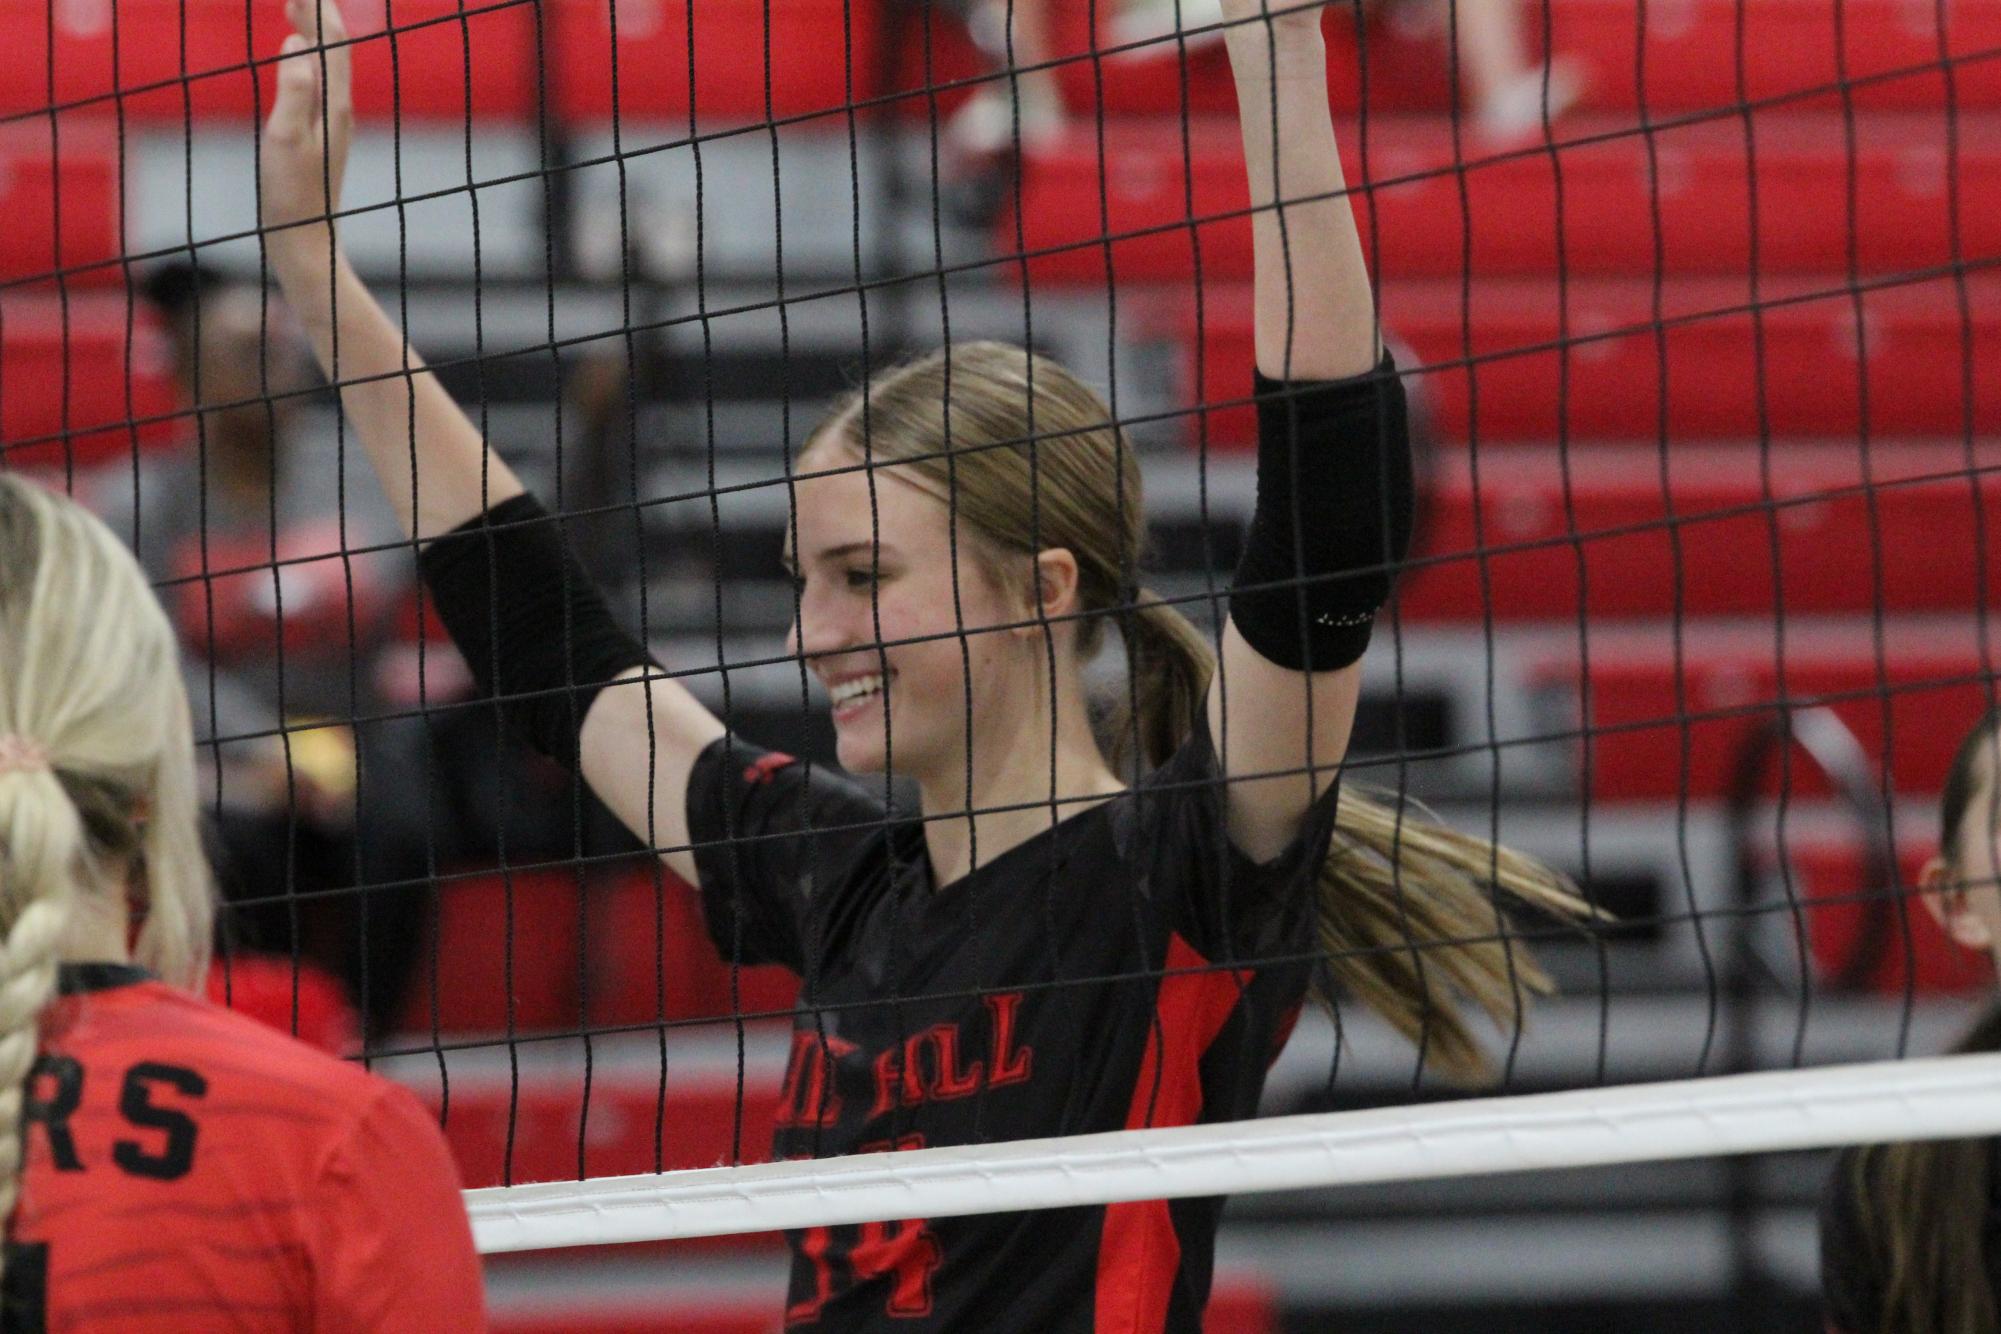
(984, 125)
(1156, 23)
(1517, 109)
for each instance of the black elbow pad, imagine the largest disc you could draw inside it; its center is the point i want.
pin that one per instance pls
(532, 626)
(1333, 519)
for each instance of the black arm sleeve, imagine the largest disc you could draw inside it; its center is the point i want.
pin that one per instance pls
(1333, 517)
(533, 627)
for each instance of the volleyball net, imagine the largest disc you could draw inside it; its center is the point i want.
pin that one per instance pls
(1699, 307)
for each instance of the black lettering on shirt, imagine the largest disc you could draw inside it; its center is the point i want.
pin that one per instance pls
(51, 1110)
(135, 1104)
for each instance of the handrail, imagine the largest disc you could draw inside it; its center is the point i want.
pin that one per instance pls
(1840, 757)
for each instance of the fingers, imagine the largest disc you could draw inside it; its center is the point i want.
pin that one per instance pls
(296, 109)
(323, 26)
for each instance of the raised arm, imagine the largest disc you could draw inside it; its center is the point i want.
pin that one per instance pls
(1333, 459)
(510, 583)
(1316, 319)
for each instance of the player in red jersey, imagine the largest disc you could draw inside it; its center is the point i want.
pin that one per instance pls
(166, 1165)
(1085, 927)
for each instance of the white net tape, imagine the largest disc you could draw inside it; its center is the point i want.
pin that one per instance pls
(1939, 1098)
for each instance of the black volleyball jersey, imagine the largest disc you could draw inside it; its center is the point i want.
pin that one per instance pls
(1127, 968)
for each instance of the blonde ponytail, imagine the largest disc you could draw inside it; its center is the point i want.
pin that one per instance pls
(1406, 926)
(1169, 663)
(97, 789)
(1399, 910)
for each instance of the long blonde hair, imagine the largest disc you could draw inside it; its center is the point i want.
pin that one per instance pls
(89, 678)
(1403, 921)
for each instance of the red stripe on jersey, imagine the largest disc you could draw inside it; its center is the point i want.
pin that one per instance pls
(1138, 1252)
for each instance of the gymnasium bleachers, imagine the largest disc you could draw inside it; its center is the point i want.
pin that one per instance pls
(1666, 490)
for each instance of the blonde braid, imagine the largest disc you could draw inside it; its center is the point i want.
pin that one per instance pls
(41, 842)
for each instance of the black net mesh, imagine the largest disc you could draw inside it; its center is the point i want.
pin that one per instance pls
(1695, 303)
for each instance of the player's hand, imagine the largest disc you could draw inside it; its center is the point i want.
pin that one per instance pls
(303, 154)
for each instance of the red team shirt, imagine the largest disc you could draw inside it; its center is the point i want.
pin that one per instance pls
(191, 1170)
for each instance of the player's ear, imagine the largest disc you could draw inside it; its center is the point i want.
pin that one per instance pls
(1950, 905)
(1056, 578)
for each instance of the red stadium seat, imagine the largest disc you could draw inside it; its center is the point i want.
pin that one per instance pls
(1838, 905)
(505, 948)
(72, 390)
(652, 959)
(824, 55)
(79, 186)
(1415, 216)
(1789, 48)
(1672, 704)
(436, 50)
(638, 969)
(1892, 58)
(1891, 52)
(1806, 369)
(697, 1129)
(1924, 509)
(819, 59)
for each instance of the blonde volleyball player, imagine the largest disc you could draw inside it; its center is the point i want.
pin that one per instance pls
(167, 1165)
(1084, 928)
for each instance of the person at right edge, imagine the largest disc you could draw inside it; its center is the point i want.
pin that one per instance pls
(1910, 1234)
(1097, 922)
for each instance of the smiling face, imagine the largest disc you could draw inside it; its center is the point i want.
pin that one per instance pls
(874, 566)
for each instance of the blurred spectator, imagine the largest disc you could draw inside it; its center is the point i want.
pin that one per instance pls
(1004, 117)
(1502, 84)
(247, 529)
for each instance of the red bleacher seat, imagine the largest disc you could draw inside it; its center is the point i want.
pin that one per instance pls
(1832, 888)
(649, 946)
(808, 39)
(638, 969)
(824, 55)
(49, 342)
(492, 931)
(1934, 678)
(429, 59)
(1890, 53)
(80, 185)
(1927, 510)
(698, 1128)
(1807, 368)
(1690, 64)
(1414, 217)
